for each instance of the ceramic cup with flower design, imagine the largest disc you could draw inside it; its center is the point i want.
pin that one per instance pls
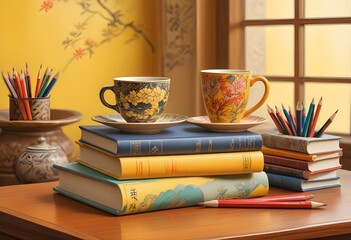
(138, 99)
(225, 94)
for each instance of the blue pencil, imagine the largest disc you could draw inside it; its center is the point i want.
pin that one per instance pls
(308, 119)
(298, 119)
(47, 90)
(44, 83)
(303, 116)
(290, 122)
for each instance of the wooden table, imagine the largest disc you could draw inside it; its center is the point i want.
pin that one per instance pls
(34, 211)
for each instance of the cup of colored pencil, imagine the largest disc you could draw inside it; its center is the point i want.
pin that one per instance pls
(300, 124)
(25, 102)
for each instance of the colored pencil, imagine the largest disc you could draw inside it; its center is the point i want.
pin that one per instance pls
(234, 203)
(28, 82)
(45, 81)
(37, 88)
(298, 119)
(315, 119)
(292, 119)
(14, 95)
(275, 120)
(18, 86)
(308, 119)
(303, 116)
(286, 197)
(47, 90)
(290, 123)
(281, 119)
(25, 97)
(279, 198)
(325, 125)
(9, 85)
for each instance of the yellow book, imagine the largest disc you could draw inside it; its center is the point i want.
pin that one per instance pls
(171, 165)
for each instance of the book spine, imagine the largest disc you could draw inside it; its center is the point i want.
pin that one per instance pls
(303, 165)
(191, 165)
(183, 192)
(284, 142)
(189, 145)
(285, 182)
(293, 172)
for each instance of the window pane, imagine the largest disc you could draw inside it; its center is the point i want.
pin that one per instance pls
(328, 50)
(274, 99)
(335, 96)
(327, 8)
(269, 9)
(269, 50)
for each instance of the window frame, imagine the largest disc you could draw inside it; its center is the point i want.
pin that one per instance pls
(237, 24)
(231, 24)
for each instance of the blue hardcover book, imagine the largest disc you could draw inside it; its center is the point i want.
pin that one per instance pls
(300, 184)
(180, 139)
(121, 197)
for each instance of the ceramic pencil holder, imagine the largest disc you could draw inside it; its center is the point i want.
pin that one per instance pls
(29, 109)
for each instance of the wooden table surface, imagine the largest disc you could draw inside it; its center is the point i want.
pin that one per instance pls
(35, 211)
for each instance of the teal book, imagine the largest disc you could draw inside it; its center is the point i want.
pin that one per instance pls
(121, 197)
(300, 184)
(184, 138)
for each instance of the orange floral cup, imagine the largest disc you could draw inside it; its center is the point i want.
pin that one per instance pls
(225, 94)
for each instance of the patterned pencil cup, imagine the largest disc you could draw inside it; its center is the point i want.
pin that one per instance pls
(29, 109)
(225, 94)
(138, 99)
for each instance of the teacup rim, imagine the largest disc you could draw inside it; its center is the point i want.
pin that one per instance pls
(142, 79)
(226, 71)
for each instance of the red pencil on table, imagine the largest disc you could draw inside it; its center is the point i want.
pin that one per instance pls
(281, 198)
(233, 203)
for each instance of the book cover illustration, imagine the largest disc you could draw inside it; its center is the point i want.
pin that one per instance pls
(121, 197)
(190, 192)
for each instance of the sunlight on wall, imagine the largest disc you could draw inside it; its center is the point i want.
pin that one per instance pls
(36, 37)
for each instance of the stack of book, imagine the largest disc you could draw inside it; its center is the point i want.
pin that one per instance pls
(301, 163)
(181, 166)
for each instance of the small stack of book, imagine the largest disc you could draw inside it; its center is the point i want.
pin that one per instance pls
(184, 165)
(301, 163)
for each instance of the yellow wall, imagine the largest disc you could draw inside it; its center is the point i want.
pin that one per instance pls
(31, 36)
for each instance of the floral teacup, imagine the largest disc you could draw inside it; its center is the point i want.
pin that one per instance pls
(138, 99)
(226, 93)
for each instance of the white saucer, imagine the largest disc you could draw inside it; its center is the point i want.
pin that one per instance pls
(115, 120)
(246, 123)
